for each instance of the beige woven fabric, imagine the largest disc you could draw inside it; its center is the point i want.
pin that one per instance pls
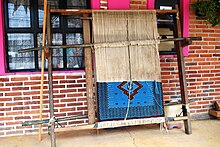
(126, 46)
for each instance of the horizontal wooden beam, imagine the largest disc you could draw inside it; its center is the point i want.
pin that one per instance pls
(89, 11)
(76, 128)
(111, 44)
(129, 122)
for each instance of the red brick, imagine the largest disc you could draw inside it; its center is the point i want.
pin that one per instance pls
(31, 102)
(14, 113)
(4, 89)
(203, 102)
(208, 47)
(68, 100)
(35, 107)
(76, 122)
(214, 94)
(68, 91)
(4, 79)
(60, 114)
(201, 51)
(14, 84)
(74, 86)
(67, 109)
(6, 118)
(38, 87)
(202, 110)
(59, 96)
(32, 112)
(73, 77)
(67, 81)
(31, 83)
(19, 88)
(82, 99)
(134, 7)
(37, 78)
(14, 104)
(205, 55)
(143, 7)
(81, 81)
(19, 79)
(59, 105)
(58, 86)
(82, 90)
(75, 95)
(13, 94)
(38, 97)
(74, 113)
(58, 77)
(32, 93)
(45, 116)
(208, 67)
(21, 98)
(208, 30)
(195, 107)
(135, 2)
(5, 99)
(74, 104)
(81, 108)
(21, 108)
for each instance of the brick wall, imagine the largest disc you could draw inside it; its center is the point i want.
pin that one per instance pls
(138, 4)
(104, 4)
(19, 101)
(19, 94)
(202, 69)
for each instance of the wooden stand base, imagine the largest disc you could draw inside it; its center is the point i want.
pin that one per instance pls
(214, 113)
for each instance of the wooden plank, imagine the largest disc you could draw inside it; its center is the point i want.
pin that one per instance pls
(76, 128)
(214, 113)
(50, 79)
(217, 105)
(42, 69)
(182, 78)
(88, 71)
(180, 118)
(129, 122)
(71, 11)
(89, 11)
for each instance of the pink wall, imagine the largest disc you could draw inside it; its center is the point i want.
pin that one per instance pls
(95, 4)
(2, 49)
(185, 11)
(118, 4)
(150, 4)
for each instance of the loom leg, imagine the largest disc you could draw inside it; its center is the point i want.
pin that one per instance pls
(187, 123)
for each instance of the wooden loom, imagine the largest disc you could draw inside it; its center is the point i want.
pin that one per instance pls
(86, 17)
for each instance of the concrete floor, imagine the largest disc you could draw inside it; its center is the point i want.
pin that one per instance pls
(206, 133)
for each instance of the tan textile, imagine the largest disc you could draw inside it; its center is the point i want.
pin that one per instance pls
(136, 58)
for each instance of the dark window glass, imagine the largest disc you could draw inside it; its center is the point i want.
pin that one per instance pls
(19, 14)
(20, 60)
(23, 27)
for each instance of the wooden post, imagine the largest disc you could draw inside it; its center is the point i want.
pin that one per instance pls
(50, 79)
(88, 70)
(182, 78)
(42, 69)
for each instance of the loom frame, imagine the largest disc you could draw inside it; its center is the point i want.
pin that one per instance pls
(92, 124)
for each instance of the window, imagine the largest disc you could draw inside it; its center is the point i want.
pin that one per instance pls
(166, 25)
(23, 28)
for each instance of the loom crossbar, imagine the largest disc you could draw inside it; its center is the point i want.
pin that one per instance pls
(112, 44)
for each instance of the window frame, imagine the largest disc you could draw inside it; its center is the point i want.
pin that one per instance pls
(35, 30)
